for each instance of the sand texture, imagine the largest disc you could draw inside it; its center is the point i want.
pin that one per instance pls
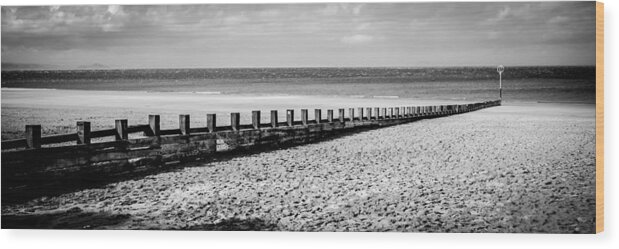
(524, 168)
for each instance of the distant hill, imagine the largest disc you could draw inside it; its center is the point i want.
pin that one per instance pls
(33, 66)
(25, 66)
(94, 66)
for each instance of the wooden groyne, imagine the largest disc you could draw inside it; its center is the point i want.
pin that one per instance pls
(34, 162)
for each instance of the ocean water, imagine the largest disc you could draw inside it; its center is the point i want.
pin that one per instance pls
(520, 84)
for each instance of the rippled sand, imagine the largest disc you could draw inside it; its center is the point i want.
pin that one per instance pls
(524, 168)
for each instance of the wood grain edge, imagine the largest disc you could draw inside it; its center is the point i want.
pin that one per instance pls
(599, 117)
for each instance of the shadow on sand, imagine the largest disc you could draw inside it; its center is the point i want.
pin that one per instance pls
(55, 188)
(73, 218)
(235, 224)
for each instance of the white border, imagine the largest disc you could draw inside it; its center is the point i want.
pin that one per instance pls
(173, 240)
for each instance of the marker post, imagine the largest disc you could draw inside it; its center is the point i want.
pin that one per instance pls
(500, 69)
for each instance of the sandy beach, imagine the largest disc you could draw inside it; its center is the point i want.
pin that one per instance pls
(514, 168)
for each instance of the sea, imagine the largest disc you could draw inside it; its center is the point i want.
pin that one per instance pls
(566, 84)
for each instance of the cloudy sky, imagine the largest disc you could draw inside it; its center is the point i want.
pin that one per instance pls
(297, 35)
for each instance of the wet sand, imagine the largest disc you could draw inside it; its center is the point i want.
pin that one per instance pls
(58, 110)
(514, 168)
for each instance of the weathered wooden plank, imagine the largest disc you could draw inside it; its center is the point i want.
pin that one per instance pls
(33, 136)
(198, 130)
(330, 116)
(14, 144)
(170, 132)
(304, 117)
(274, 122)
(290, 117)
(121, 132)
(183, 124)
(154, 124)
(138, 128)
(351, 114)
(317, 116)
(211, 122)
(255, 119)
(360, 117)
(235, 121)
(83, 132)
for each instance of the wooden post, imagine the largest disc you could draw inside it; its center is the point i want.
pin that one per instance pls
(341, 111)
(183, 123)
(304, 117)
(397, 112)
(274, 118)
(154, 125)
(351, 114)
(418, 111)
(290, 117)
(255, 119)
(330, 116)
(369, 113)
(33, 136)
(235, 121)
(390, 113)
(376, 113)
(318, 115)
(83, 132)
(121, 130)
(360, 118)
(384, 115)
(211, 122)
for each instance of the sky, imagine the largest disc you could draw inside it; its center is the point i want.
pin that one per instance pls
(299, 35)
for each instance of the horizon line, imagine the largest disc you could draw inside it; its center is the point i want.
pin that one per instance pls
(278, 67)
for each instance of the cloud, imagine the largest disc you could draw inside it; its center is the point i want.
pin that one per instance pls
(113, 9)
(329, 10)
(269, 13)
(503, 13)
(363, 26)
(357, 39)
(129, 34)
(357, 9)
(558, 20)
(235, 19)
